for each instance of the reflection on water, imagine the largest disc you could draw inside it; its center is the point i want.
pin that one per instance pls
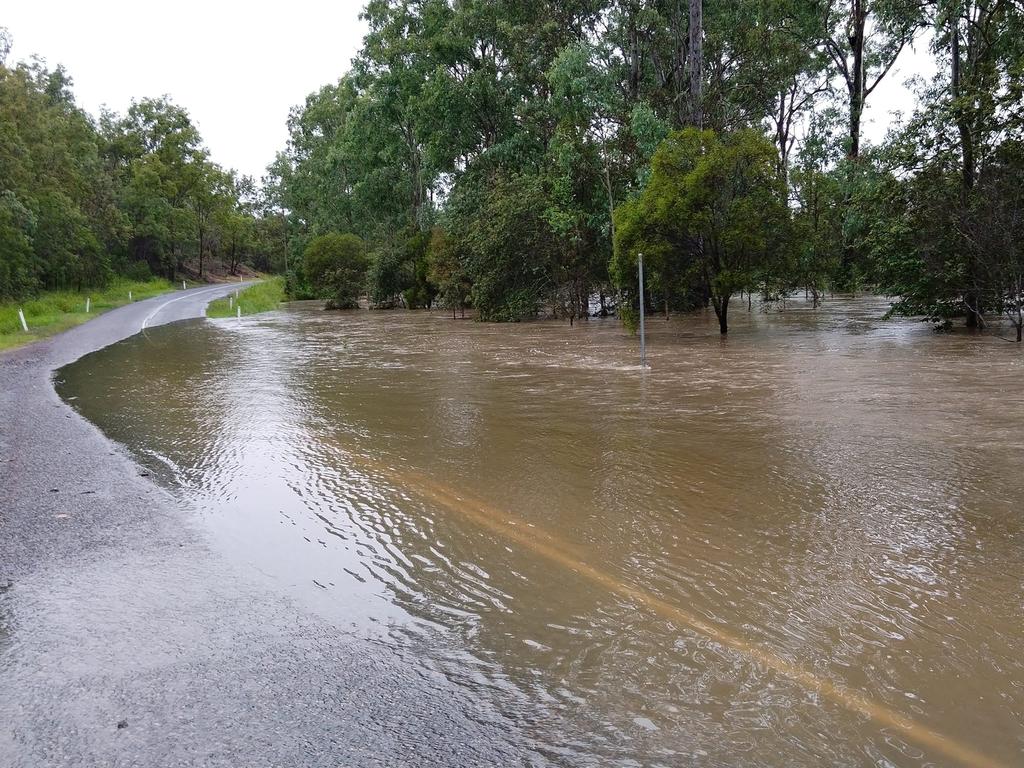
(839, 493)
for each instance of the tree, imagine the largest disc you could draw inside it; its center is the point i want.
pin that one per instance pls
(714, 209)
(995, 231)
(863, 39)
(17, 225)
(446, 271)
(931, 218)
(817, 194)
(336, 266)
(208, 195)
(504, 241)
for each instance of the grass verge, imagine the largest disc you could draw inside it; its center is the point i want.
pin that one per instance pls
(55, 311)
(262, 297)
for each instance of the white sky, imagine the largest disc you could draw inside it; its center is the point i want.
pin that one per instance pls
(238, 67)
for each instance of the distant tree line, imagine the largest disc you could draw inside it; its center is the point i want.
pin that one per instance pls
(517, 155)
(82, 200)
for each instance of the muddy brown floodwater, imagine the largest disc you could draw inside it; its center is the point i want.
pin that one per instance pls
(801, 545)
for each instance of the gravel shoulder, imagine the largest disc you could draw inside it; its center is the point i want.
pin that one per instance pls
(124, 640)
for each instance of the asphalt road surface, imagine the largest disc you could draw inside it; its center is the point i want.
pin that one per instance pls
(125, 641)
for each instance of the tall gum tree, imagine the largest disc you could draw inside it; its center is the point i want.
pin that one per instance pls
(863, 39)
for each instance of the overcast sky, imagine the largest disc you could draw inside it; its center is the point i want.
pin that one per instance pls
(236, 66)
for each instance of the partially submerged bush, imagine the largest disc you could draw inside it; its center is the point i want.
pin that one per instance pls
(335, 265)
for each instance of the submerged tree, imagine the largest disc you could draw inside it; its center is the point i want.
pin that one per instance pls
(713, 210)
(336, 264)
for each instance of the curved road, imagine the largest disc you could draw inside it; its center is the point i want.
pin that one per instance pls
(124, 641)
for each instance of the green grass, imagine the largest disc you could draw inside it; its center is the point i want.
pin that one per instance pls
(262, 297)
(55, 311)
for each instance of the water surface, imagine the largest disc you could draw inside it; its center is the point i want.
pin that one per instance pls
(604, 553)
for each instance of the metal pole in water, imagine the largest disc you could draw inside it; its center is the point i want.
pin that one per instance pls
(24, 325)
(643, 340)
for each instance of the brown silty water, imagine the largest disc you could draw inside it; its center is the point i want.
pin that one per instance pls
(801, 545)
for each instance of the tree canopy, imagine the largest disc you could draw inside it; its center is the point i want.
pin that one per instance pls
(487, 153)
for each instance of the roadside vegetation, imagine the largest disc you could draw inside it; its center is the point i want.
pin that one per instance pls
(265, 296)
(55, 311)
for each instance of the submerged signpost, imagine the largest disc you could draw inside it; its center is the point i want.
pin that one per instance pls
(643, 341)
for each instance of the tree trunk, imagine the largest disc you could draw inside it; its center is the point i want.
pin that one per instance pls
(696, 62)
(971, 300)
(201, 239)
(962, 126)
(721, 305)
(856, 80)
(633, 84)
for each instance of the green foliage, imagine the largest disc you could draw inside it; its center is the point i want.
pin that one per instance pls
(503, 239)
(516, 129)
(336, 265)
(822, 206)
(946, 228)
(713, 213)
(515, 157)
(447, 272)
(398, 272)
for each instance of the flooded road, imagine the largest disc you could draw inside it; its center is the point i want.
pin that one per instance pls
(800, 545)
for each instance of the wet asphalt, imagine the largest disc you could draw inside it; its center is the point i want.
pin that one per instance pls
(126, 641)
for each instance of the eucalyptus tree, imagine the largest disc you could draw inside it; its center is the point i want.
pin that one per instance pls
(863, 39)
(817, 192)
(318, 177)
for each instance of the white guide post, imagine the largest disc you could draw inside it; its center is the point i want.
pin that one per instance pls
(643, 340)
